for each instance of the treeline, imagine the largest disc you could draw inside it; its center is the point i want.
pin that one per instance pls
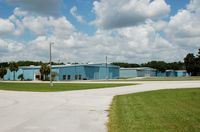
(159, 65)
(28, 63)
(14, 66)
(191, 64)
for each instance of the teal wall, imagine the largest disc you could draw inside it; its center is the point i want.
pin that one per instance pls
(172, 73)
(128, 73)
(72, 72)
(137, 72)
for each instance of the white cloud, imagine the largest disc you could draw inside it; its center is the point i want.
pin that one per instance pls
(6, 26)
(61, 27)
(48, 25)
(158, 25)
(10, 50)
(40, 25)
(20, 21)
(74, 13)
(19, 12)
(194, 6)
(144, 43)
(117, 13)
(15, 18)
(133, 44)
(151, 39)
(183, 28)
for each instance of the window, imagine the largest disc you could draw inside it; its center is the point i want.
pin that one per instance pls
(68, 77)
(79, 77)
(76, 77)
(37, 77)
(64, 77)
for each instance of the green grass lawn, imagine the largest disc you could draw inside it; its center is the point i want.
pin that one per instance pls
(190, 78)
(171, 78)
(156, 111)
(44, 87)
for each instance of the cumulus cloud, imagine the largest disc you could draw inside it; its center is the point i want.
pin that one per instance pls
(15, 18)
(74, 13)
(10, 50)
(183, 28)
(194, 6)
(41, 7)
(151, 39)
(117, 13)
(20, 21)
(6, 26)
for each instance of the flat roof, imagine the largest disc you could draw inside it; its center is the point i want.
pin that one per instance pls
(138, 68)
(69, 65)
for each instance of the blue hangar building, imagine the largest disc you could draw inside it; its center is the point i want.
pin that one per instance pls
(69, 72)
(150, 72)
(137, 72)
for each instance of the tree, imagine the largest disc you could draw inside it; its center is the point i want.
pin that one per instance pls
(191, 64)
(125, 65)
(13, 68)
(198, 63)
(36, 63)
(198, 55)
(159, 65)
(54, 75)
(21, 77)
(4, 64)
(3, 72)
(176, 65)
(44, 70)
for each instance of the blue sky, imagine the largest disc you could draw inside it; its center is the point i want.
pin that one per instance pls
(177, 5)
(95, 26)
(85, 10)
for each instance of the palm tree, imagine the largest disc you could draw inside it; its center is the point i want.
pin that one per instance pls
(3, 72)
(21, 77)
(44, 70)
(13, 68)
(54, 75)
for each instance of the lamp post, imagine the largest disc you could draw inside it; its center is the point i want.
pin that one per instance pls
(106, 68)
(51, 84)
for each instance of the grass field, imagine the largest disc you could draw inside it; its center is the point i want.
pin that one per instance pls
(156, 111)
(191, 78)
(44, 87)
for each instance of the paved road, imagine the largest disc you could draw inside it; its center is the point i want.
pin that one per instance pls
(72, 111)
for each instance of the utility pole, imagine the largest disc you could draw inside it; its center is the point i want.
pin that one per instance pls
(106, 68)
(75, 71)
(51, 84)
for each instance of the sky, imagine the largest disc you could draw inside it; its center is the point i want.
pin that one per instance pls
(86, 31)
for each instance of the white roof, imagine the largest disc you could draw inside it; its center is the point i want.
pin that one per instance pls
(69, 65)
(138, 68)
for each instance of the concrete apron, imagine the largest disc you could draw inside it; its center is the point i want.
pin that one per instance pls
(71, 111)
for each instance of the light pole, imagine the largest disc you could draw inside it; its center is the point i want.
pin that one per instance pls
(106, 68)
(51, 84)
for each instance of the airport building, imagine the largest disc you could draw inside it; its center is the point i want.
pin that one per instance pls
(69, 72)
(172, 73)
(150, 72)
(137, 72)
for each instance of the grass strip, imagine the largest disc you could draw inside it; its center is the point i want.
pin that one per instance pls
(190, 78)
(156, 111)
(44, 87)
